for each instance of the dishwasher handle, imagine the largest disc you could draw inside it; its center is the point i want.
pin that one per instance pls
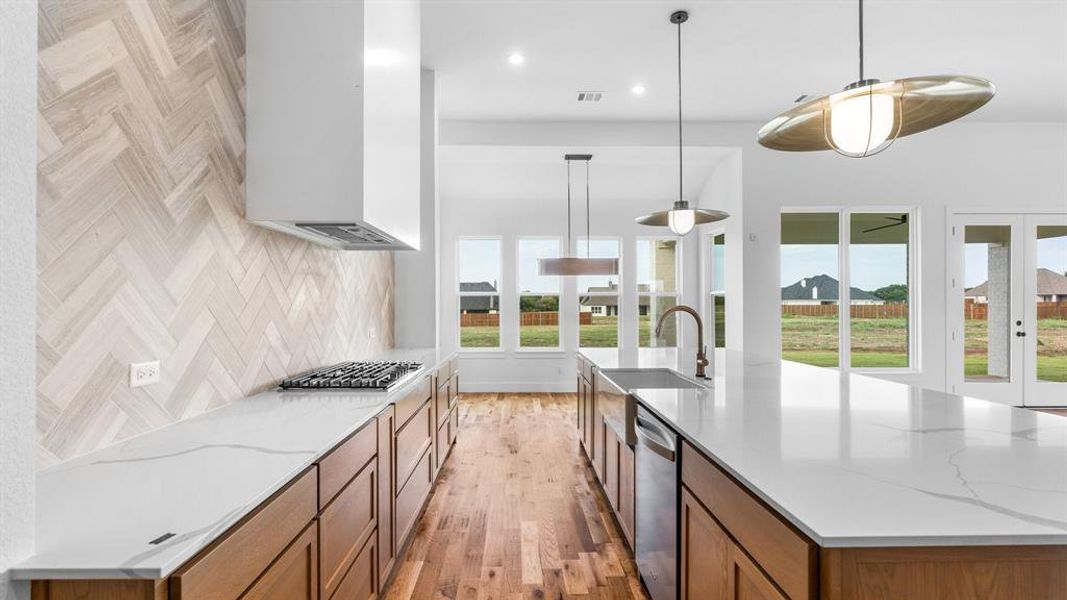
(655, 438)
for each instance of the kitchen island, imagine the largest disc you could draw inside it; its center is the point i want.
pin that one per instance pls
(799, 481)
(310, 489)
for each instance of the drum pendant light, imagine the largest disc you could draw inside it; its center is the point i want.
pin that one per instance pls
(868, 115)
(572, 265)
(681, 218)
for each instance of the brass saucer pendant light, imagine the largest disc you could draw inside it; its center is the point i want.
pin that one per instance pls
(573, 265)
(681, 218)
(865, 118)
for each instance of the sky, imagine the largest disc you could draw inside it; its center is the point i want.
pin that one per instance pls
(1051, 254)
(873, 265)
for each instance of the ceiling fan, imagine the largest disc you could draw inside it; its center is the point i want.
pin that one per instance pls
(896, 222)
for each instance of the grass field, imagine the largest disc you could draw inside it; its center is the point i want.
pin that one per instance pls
(883, 343)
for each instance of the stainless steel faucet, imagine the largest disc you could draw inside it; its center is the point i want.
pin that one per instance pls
(702, 350)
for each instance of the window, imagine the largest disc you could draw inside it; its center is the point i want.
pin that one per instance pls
(478, 264)
(877, 285)
(657, 290)
(538, 295)
(598, 298)
(717, 299)
(878, 269)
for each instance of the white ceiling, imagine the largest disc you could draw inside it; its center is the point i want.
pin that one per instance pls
(743, 60)
(619, 175)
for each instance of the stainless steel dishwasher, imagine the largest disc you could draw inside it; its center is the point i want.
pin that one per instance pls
(657, 481)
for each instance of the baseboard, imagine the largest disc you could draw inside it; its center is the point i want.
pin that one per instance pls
(516, 386)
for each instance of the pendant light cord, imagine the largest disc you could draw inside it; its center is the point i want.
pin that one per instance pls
(861, 40)
(680, 111)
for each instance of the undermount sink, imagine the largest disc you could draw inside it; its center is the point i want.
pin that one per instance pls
(664, 379)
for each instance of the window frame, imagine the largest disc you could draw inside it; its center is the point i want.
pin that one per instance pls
(619, 295)
(653, 296)
(519, 294)
(844, 242)
(709, 293)
(460, 295)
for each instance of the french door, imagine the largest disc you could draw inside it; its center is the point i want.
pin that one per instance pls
(1007, 307)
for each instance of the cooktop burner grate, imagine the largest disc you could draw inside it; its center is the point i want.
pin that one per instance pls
(362, 375)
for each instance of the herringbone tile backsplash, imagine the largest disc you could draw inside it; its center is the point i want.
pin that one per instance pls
(143, 253)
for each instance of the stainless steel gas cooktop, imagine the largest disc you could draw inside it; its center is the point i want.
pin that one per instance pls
(363, 375)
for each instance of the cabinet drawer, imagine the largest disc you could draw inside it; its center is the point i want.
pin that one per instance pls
(453, 391)
(228, 566)
(293, 576)
(359, 582)
(442, 400)
(411, 442)
(409, 500)
(343, 462)
(413, 400)
(784, 553)
(345, 526)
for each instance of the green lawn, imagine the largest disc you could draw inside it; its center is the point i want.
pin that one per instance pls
(883, 343)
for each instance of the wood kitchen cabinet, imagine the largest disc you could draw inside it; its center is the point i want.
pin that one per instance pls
(293, 575)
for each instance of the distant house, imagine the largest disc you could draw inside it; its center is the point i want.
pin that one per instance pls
(608, 306)
(479, 304)
(823, 289)
(1051, 287)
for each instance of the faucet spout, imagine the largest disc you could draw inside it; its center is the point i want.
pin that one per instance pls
(702, 351)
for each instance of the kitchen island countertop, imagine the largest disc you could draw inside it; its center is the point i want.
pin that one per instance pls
(857, 461)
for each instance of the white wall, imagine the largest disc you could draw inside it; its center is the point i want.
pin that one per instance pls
(512, 369)
(415, 272)
(18, 279)
(965, 164)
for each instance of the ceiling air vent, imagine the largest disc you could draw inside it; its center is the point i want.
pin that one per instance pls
(590, 96)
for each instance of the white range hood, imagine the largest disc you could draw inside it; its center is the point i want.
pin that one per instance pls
(333, 121)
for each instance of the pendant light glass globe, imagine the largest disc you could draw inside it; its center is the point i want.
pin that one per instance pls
(681, 221)
(862, 120)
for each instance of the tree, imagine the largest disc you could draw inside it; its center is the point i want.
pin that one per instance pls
(897, 292)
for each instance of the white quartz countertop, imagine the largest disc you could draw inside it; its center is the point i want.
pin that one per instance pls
(857, 461)
(97, 514)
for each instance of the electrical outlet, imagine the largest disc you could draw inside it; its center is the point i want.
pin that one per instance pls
(145, 373)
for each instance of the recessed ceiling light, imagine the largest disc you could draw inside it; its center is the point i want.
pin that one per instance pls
(516, 59)
(638, 90)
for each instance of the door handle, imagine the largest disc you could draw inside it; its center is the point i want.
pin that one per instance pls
(648, 438)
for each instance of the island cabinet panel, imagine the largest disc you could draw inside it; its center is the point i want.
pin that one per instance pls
(361, 581)
(385, 550)
(411, 497)
(598, 445)
(611, 466)
(293, 575)
(345, 525)
(338, 467)
(705, 556)
(627, 491)
(935, 573)
(105, 589)
(226, 568)
(410, 403)
(747, 580)
(412, 441)
(786, 555)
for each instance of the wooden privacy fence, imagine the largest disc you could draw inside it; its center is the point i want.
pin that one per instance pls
(526, 319)
(1045, 310)
(859, 311)
(972, 311)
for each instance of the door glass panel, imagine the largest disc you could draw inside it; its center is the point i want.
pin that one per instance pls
(1052, 303)
(878, 265)
(987, 323)
(809, 280)
(718, 288)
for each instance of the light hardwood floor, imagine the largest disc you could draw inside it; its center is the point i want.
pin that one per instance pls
(516, 512)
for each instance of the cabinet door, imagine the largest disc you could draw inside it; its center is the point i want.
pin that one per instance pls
(626, 491)
(386, 552)
(598, 446)
(705, 559)
(345, 525)
(611, 466)
(747, 581)
(293, 575)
